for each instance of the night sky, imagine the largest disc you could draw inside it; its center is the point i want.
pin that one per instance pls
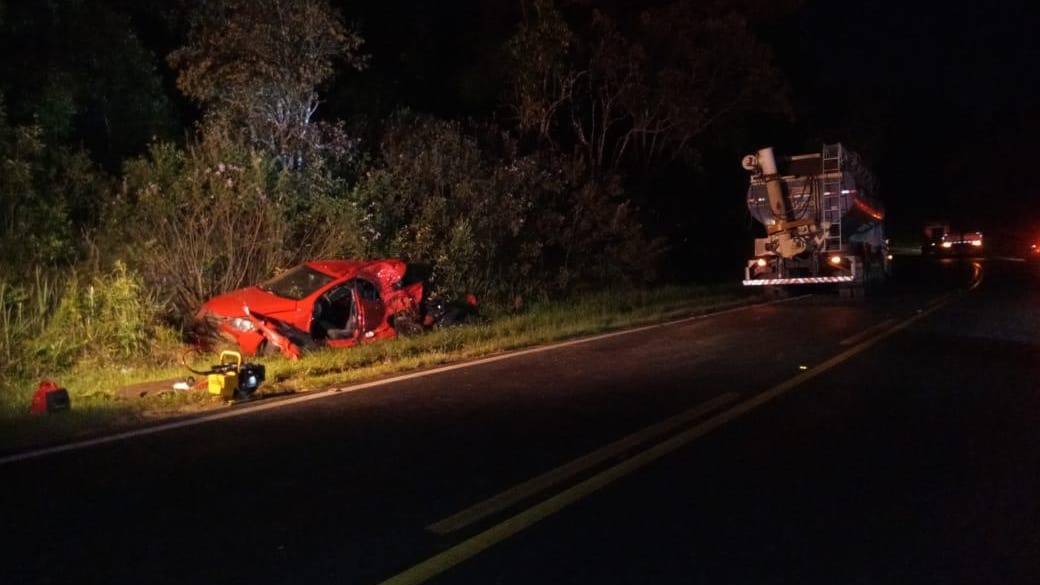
(941, 97)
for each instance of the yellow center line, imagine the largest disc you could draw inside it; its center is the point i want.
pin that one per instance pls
(473, 546)
(522, 491)
(866, 332)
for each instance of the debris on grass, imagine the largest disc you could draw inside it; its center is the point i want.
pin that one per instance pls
(118, 397)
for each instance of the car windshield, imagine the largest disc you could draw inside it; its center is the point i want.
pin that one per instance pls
(296, 283)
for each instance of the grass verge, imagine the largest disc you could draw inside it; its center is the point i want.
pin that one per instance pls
(97, 410)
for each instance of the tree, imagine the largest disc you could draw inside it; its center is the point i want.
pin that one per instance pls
(258, 65)
(496, 221)
(706, 67)
(218, 215)
(80, 72)
(639, 95)
(49, 195)
(543, 76)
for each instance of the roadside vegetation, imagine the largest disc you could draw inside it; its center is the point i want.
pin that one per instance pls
(135, 183)
(114, 362)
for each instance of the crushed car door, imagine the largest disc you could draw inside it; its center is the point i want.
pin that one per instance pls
(337, 316)
(371, 305)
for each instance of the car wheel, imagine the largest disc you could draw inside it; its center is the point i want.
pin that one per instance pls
(406, 324)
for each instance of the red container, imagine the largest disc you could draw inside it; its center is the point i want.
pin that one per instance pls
(49, 397)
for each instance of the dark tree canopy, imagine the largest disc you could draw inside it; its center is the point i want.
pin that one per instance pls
(259, 65)
(637, 95)
(81, 72)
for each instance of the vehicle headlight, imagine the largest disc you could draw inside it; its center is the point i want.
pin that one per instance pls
(242, 324)
(947, 244)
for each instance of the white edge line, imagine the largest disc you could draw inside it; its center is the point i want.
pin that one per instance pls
(234, 412)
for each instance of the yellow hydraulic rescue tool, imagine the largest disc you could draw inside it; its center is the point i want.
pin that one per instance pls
(230, 379)
(223, 377)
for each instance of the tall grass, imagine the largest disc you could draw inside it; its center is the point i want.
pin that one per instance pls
(23, 315)
(97, 373)
(108, 319)
(51, 324)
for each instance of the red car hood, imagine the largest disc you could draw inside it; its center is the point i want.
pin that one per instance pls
(233, 304)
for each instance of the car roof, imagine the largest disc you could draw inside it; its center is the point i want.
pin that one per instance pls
(337, 268)
(345, 268)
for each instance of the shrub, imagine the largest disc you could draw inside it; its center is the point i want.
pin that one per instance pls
(52, 324)
(220, 215)
(48, 196)
(110, 317)
(493, 221)
(23, 315)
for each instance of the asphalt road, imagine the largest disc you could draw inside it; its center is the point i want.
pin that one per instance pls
(819, 440)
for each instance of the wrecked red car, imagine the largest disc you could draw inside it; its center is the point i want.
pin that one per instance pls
(334, 303)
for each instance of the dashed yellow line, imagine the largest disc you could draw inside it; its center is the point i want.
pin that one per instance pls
(520, 492)
(473, 546)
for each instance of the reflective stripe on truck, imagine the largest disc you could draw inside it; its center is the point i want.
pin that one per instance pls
(806, 280)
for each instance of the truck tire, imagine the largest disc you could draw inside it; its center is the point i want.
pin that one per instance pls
(776, 292)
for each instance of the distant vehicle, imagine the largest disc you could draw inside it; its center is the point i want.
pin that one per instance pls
(940, 240)
(823, 224)
(333, 303)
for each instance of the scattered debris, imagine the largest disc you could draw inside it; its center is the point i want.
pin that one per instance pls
(184, 385)
(157, 387)
(446, 314)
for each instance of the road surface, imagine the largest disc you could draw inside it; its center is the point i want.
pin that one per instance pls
(818, 440)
